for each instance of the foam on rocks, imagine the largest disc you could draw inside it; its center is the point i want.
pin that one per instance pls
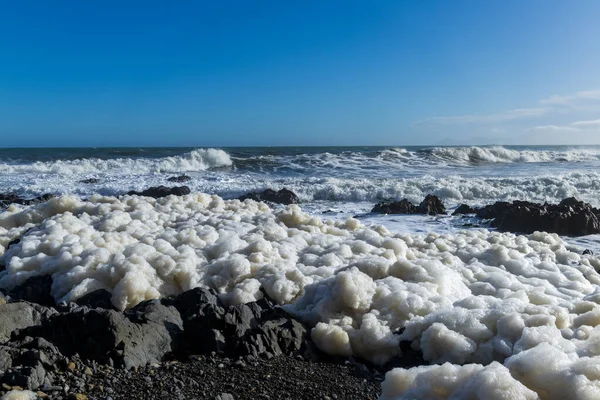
(503, 316)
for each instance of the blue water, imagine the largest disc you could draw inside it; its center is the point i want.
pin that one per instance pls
(325, 178)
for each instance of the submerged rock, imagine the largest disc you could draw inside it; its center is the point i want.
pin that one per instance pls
(90, 180)
(464, 209)
(283, 196)
(180, 178)
(162, 191)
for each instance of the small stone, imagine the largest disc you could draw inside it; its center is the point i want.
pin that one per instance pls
(17, 388)
(88, 371)
(41, 395)
(6, 387)
(77, 396)
(71, 366)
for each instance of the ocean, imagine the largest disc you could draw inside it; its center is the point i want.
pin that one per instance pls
(336, 182)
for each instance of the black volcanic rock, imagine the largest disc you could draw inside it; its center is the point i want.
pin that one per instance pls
(11, 198)
(431, 205)
(162, 191)
(283, 196)
(179, 179)
(464, 209)
(395, 207)
(570, 217)
(90, 180)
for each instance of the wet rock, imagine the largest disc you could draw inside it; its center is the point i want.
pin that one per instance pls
(283, 196)
(431, 205)
(90, 180)
(395, 207)
(180, 178)
(588, 252)
(11, 198)
(570, 217)
(464, 209)
(162, 191)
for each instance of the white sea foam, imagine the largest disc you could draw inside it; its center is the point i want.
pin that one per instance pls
(504, 313)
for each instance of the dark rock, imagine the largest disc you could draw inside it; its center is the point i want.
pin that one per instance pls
(493, 210)
(570, 217)
(36, 289)
(588, 252)
(464, 209)
(20, 315)
(11, 198)
(142, 335)
(28, 363)
(90, 180)
(162, 191)
(397, 207)
(180, 178)
(100, 298)
(432, 205)
(283, 196)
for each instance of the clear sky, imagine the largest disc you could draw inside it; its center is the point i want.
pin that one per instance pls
(298, 72)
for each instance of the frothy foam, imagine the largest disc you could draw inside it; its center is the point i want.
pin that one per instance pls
(529, 303)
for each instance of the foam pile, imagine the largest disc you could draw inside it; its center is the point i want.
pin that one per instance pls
(488, 306)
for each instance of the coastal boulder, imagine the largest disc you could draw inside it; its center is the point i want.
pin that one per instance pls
(20, 315)
(157, 192)
(431, 205)
(139, 336)
(283, 196)
(570, 217)
(179, 179)
(464, 209)
(395, 207)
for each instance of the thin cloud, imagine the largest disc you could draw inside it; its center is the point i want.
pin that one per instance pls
(588, 100)
(572, 100)
(510, 115)
(578, 126)
(594, 124)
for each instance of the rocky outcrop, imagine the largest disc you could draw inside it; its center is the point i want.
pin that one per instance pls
(34, 338)
(11, 198)
(464, 209)
(162, 191)
(179, 179)
(431, 205)
(570, 217)
(283, 196)
(90, 180)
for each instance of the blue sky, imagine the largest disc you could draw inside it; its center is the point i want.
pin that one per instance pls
(227, 73)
